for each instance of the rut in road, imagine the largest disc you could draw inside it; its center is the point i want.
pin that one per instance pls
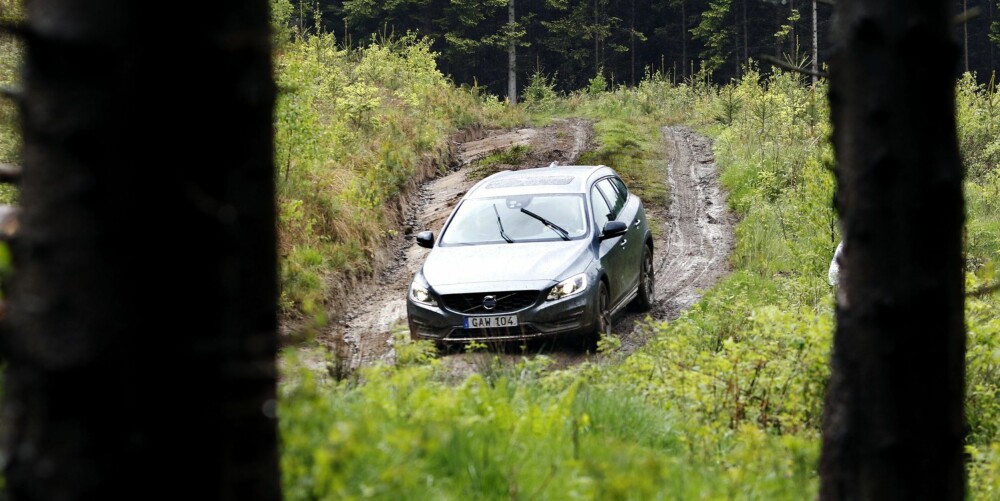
(692, 253)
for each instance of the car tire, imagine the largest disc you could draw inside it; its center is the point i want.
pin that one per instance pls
(647, 281)
(602, 320)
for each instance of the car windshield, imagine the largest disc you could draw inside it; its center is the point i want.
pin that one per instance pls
(520, 218)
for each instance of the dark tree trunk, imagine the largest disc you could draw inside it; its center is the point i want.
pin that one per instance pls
(511, 58)
(965, 34)
(631, 43)
(815, 45)
(684, 38)
(597, 41)
(893, 422)
(746, 36)
(141, 336)
(794, 50)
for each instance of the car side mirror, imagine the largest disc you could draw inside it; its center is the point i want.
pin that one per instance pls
(425, 239)
(613, 229)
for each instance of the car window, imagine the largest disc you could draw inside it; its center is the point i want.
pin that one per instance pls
(615, 197)
(620, 186)
(602, 212)
(475, 221)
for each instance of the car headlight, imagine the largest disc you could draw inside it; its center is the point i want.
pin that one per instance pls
(422, 295)
(568, 287)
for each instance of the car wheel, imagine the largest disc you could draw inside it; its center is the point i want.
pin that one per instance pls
(647, 281)
(602, 324)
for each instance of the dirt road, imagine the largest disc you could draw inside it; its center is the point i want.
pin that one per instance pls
(690, 253)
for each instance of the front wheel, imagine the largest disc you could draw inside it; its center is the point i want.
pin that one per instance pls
(647, 281)
(602, 324)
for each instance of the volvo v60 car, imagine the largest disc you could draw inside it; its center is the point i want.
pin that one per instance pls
(554, 251)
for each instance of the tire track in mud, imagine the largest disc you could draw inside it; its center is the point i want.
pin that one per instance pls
(692, 254)
(691, 249)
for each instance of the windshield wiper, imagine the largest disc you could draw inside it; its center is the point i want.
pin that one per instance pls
(548, 224)
(500, 225)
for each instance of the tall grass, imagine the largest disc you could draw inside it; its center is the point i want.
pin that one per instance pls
(521, 433)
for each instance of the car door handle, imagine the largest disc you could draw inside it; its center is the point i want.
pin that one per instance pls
(624, 241)
(637, 222)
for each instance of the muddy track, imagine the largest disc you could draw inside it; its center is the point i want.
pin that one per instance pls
(690, 251)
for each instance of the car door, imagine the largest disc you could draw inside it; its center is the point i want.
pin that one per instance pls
(613, 251)
(631, 214)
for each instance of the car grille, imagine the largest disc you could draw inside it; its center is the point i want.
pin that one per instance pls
(507, 302)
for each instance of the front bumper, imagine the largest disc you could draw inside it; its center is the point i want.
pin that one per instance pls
(568, 316)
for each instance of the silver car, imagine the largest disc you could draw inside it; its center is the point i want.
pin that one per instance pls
(554, 251)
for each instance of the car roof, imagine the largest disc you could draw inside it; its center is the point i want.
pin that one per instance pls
(552, 179)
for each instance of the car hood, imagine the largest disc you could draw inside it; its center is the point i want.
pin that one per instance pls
(528, 265)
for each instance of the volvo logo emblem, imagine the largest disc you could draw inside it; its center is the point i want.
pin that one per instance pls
(490, 302)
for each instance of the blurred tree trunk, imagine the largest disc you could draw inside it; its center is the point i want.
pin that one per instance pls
(965, 35)
(746, 37)
(142, 329)
(893, 421)
(511, 57)
(684, 37)
(815, 45)
(631, 42)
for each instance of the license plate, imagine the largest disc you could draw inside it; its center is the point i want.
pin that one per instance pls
(493, 322)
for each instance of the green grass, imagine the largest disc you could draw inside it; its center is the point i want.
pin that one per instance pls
(524, 433)
(492, 163)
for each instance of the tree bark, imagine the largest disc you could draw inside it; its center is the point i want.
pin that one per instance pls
(142, 327)
(815, 45)
(893, 421)
(597, 44)
(965, 34)
(631, 42)
(794, 38)
(746, 36)
(684, 35)
(511, 58)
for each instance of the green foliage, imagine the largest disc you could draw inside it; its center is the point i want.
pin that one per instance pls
(492, 163)
(354, 129)
(978, 118)
(723, 403)
(540, 94)
(740, 357)
(984, 471)
(598, 84)
(717, 33)
(524, 433)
